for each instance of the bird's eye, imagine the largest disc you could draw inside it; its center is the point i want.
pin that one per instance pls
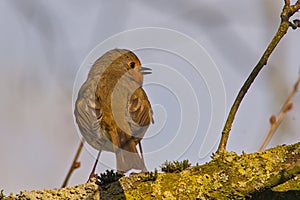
(132, 65)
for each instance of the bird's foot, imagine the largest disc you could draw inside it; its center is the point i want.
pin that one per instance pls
(92, 176)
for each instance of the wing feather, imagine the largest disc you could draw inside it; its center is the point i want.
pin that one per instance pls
(140, 113)
(88, 116)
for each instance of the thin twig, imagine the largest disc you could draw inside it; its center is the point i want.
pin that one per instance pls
(286, 13)
(75, 164)
(275, 122)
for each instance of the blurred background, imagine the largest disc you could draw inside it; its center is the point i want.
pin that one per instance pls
(43, 44)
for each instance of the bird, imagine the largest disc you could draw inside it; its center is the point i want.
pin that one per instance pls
(113, 111)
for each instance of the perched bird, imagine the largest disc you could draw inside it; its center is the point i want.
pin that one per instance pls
(112, 110)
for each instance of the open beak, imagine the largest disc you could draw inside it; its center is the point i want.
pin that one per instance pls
(145, 70)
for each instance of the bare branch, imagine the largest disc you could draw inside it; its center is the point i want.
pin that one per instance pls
(286, 13)
(75, 164)
(285, 108)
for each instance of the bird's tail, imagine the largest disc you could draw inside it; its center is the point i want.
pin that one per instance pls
(128, 158)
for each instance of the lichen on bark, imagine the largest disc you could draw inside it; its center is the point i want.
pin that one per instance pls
(226, 176)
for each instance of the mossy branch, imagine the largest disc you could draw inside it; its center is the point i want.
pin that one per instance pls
(287, 12)
(226, 176)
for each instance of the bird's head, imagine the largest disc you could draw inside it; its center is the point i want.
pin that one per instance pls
(133, 67)
(137, 71)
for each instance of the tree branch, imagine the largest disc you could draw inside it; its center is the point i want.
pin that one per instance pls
(226, 176)
(286, 13)
(75, 163)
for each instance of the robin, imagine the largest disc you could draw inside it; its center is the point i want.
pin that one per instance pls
(113, 111)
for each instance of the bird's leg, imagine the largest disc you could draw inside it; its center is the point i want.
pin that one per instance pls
(92, 175)
(141, 150)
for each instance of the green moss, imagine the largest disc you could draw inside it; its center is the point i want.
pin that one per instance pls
(175, 166)
(108, 177)
(151, 176)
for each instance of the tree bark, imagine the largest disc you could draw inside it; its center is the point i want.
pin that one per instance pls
(227, 176)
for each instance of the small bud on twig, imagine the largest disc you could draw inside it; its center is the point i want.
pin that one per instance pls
(272, 119)
(288, 107)
(76, 165)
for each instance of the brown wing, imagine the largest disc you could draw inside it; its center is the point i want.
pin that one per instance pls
(140, 113)
(88, 116)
